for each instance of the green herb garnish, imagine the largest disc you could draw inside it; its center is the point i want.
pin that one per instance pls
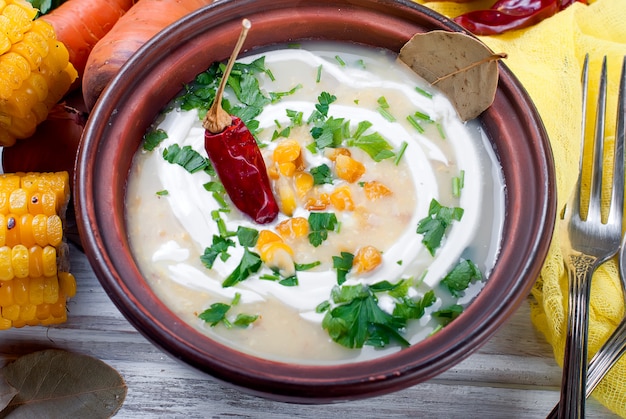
(187, 157)
(446, 315)
(322, 174)
(434, 226)
(153, 138)
(320, 223)
(459, 278)
(343, 265)
(216, 314)
(250, 263)
(357, 319)
(219, 247)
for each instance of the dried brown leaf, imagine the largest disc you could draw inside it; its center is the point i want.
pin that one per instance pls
(461, 66)
(7, 392)
(56, 383)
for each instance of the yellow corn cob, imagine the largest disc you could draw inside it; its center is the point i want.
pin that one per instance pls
(35, 72)
(34, 278)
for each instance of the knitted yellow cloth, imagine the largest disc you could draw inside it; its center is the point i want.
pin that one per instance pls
(547, 58)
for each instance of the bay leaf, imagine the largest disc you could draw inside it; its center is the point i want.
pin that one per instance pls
(461, 66)
(55, 383)
(7, 392)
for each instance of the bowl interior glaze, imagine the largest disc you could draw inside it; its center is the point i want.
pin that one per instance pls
(158, 71)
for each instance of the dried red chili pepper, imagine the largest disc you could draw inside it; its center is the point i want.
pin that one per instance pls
(506, 15)
(235, 155)
(241, 168)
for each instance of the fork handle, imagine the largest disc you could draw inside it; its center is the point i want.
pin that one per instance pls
(602, 362)
(572, 401)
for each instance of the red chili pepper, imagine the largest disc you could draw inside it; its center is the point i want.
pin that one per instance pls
(506, 15)
(235, 155)
(240, 166)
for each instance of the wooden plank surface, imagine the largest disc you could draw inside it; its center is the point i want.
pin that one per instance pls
(513, 375)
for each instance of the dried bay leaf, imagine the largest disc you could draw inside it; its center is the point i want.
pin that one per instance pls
(461, 66)
(7, 392)
(56, 383)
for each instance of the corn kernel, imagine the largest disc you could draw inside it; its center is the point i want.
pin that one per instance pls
(341, 198)
(303, 182)
(332, 153)
(35, 260)
(18, 201)
(39, 228)
(57, 310)
(287, 197)
(19, 261)
(287, 151)
(375, 190)
(348, 169)
(293, 228)
(3, 230)
(26, 230)
(54, 230)
(50, 289)
(273, 172)
(27, 312)
(20, 290)
(49, 261)
(67, 284)
(11, 312)
(6, 265)
(43, 311)
(265, 237)
(35, 295)
(318, 202)
(5, 323)
(279, 255)
(366, 259)
(13, 230)
(6, 293)
(287, 169)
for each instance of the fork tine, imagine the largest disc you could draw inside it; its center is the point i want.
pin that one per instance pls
(598, 149)
(617, 197)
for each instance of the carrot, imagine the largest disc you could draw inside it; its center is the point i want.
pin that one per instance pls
(80, 24)
(144, 20)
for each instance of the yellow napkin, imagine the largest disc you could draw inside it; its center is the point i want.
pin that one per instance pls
(547, 58)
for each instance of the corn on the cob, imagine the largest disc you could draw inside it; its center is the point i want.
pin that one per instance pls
(34, 274)
(35, 72)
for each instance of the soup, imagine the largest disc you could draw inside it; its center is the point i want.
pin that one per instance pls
(391, 208)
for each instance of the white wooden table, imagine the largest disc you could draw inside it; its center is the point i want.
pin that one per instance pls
(512, 376)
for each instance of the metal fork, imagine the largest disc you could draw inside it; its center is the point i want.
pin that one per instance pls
(587, 243)
(615, 346)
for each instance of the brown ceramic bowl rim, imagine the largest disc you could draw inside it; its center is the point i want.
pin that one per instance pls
(133, 99)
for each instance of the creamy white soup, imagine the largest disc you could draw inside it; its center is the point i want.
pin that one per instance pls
(390, 208)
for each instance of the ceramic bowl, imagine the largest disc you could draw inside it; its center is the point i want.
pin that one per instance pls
(155, 75)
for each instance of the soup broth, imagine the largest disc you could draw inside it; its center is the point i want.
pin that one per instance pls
(383, 167)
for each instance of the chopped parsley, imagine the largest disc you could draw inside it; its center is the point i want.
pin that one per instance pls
(446, 315)
(320, 223)
(375, 145)
(250, 263)
(247, 236)
(357, 320)
(163, 192)
(153, 138)
(216, 314)
(219, 247)
(187, 157)
(343, 265)
(290, 281)
(459, 278)
(322, 174)
(434, 226)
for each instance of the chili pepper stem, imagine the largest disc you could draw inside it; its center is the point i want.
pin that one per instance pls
(217, 119)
